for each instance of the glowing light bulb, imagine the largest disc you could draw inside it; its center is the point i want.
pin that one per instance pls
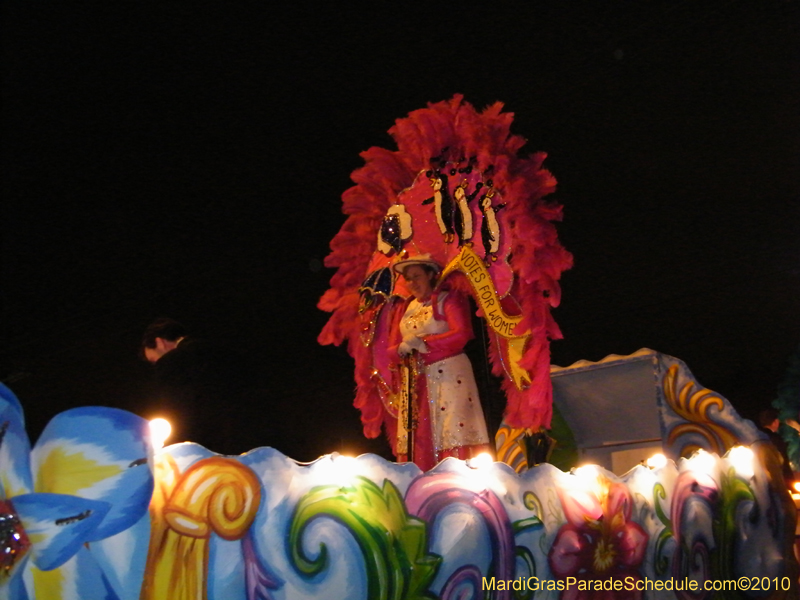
(704, 462)
(741, 458)
(588, 472)
(588, 478)
(484, 459)
(344, 469)
(160, 430)
(657, 461)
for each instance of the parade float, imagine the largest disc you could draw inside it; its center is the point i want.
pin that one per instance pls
(97, 510)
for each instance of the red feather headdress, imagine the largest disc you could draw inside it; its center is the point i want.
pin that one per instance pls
(475, 151)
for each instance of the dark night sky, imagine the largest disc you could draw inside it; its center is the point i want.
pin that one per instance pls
(188, 160)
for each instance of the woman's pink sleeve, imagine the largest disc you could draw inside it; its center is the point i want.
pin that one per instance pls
(455, 310)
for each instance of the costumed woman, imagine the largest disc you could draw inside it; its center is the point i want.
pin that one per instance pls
(429, 342)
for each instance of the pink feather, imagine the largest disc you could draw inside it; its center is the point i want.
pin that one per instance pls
(538, 257)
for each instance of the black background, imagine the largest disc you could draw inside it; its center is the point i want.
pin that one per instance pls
(187, 160)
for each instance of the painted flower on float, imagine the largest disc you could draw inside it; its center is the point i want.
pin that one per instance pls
(599, 541)
(86, 479)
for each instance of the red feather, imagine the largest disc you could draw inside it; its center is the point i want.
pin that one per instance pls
(538, 259)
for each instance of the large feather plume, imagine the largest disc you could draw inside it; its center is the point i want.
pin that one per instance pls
(537, 259)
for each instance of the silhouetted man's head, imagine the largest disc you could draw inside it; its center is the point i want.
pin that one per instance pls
(160, 337)
(768, 419)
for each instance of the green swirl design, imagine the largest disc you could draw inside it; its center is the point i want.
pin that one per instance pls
(734, 491)
(661, 561)
(525, 524)
(392, 542)
(659, 494)
(526, 556)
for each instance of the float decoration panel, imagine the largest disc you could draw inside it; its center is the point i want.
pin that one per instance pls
(664, 405)
(262, 526)
(85, 482)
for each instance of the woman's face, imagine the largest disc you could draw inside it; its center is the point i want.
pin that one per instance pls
(419, 282)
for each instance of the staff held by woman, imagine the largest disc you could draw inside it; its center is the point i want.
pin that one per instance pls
(432, 332)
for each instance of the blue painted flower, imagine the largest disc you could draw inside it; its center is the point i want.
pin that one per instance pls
(86, 479)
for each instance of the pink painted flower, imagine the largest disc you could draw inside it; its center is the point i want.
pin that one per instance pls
(599, 542)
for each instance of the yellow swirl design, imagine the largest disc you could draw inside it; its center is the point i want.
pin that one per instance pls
(215, 495)
(510, 447)
(532, 503)
(694, 407)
